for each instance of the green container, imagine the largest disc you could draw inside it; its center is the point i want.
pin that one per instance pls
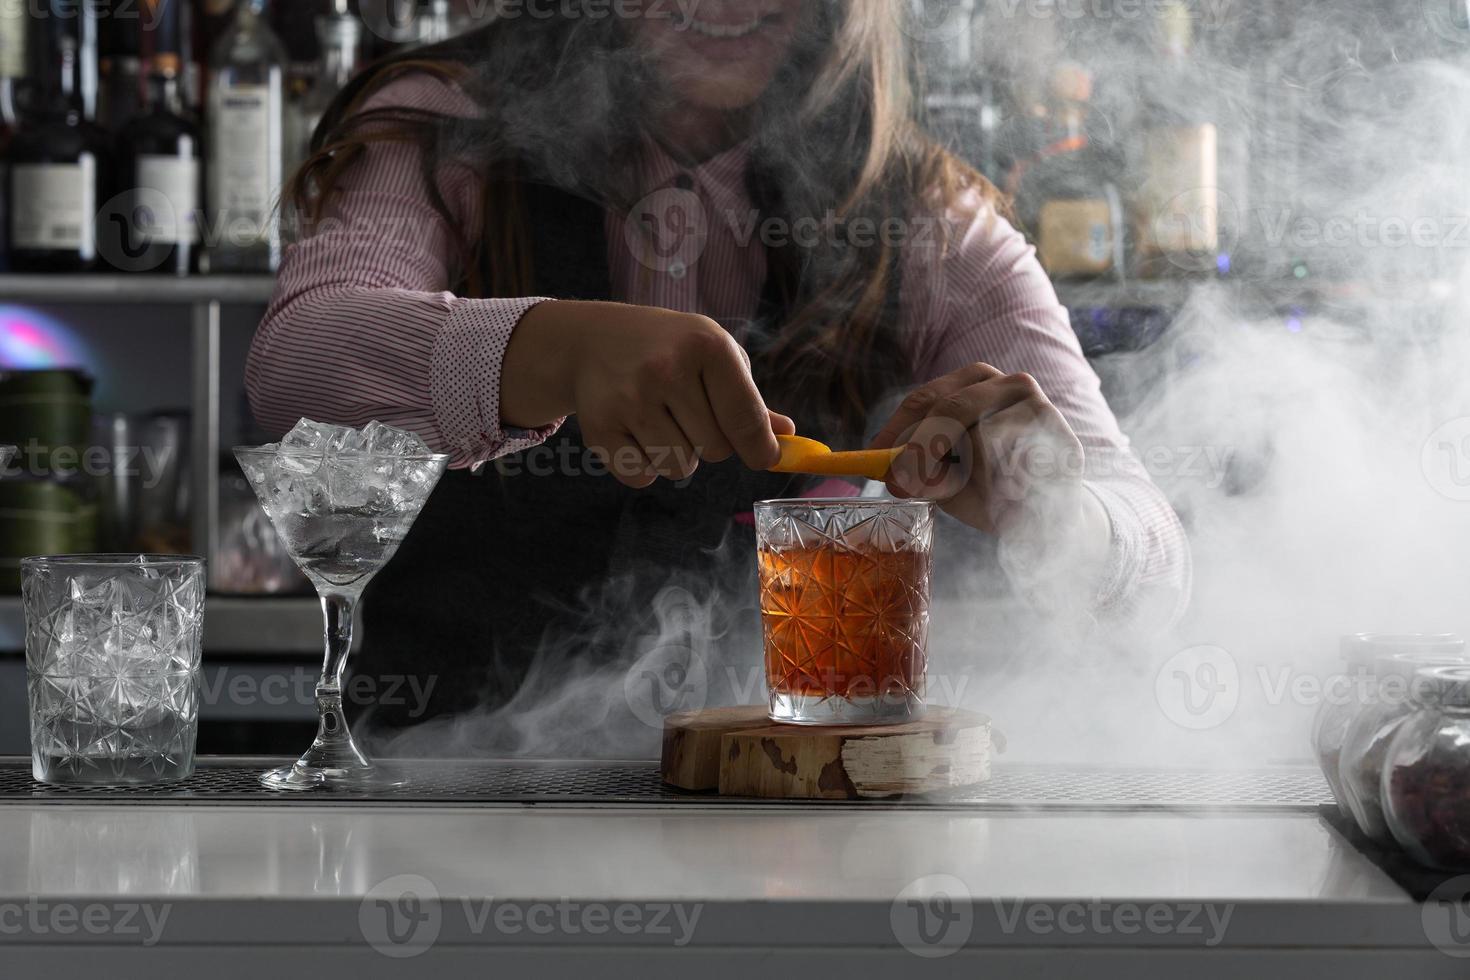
(42, 517)
(45, 411)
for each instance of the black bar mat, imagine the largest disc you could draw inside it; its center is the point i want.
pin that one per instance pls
(1419, 881)
(233, 781)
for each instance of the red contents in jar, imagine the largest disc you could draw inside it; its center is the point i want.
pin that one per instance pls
(1432, 804)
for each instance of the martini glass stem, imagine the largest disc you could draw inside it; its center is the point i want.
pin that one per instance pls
(334, 748)
(337, 608)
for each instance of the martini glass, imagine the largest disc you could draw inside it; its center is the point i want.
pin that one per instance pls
(342, 517)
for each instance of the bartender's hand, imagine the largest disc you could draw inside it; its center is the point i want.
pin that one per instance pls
(655, 391)
(993, 451)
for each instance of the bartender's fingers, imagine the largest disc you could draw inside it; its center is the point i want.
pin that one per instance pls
(738, 407)
(977, 402)
(919, 404)
(694, 416)
(666, 445)
(623, 457)
(940, 459)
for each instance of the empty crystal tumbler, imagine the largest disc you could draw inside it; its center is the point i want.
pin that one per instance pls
(112, 666)
(844, 597)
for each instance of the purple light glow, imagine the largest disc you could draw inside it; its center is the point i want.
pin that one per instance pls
(29, 339)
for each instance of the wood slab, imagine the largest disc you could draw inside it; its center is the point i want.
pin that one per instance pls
(740, 752)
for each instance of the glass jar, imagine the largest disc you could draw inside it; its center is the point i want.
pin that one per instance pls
(1359, 651)
(1365, 743)
(1426, 773)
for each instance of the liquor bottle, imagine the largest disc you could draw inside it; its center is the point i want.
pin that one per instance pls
(1065, 197)
(1177, 213)
(158, 228)
(14, 25)
(59, 160)
(295, 25)
(205, 22)
(246, 141)
(341, 38)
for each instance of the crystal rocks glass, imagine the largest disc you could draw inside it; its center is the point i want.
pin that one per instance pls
(112, 666)
(844, 597)
(342, 515)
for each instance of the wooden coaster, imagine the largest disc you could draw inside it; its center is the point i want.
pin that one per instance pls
(741, 752)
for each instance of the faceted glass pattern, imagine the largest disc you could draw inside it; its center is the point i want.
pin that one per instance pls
(112, 666)
(844, 595)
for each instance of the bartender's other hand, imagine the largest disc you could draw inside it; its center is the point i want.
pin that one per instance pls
(986, 446)
(655, 391)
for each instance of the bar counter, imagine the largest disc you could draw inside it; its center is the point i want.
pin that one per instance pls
(701, 887)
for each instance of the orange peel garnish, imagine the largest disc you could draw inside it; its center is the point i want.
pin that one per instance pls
(801, 455)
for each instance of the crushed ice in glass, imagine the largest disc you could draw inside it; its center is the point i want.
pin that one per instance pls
(342, 499)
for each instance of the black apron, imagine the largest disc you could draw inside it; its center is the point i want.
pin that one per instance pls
(538, 570)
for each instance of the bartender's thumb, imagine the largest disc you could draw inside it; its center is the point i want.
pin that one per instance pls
(781, 425)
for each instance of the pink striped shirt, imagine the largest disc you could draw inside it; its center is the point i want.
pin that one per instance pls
(363, 324)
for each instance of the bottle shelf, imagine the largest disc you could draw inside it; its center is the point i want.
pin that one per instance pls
(1161, 294)
(136, 289)
(1305, 295)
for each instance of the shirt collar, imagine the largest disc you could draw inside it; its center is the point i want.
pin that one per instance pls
(720, 179)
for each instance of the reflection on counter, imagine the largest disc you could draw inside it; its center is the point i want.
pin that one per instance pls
(132, 852)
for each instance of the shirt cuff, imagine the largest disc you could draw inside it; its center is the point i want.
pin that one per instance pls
(469, 352)
(1126, 550)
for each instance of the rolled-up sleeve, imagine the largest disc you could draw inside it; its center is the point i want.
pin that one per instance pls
(363, 326)
(981, 295)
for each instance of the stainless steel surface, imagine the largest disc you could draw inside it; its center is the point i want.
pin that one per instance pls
(233, 781)
(150, 290)
(230, 891)
(206, 435)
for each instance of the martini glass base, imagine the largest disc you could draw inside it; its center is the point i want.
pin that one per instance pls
(301, 778)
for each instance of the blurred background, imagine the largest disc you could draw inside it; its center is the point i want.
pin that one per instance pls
(1155, 151)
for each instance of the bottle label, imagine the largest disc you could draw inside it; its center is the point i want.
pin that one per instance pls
(173, 217)
(245, 125)
(1181, 192)
(1075, 237)
(54, 206)
(13, 25)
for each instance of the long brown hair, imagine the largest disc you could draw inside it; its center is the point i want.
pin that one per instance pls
(564, 99)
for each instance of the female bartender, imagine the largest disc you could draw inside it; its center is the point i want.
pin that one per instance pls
(571, 242)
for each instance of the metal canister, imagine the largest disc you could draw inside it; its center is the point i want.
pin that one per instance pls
(42, 517)
(48, 414)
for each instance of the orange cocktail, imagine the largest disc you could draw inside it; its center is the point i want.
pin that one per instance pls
(844, 594)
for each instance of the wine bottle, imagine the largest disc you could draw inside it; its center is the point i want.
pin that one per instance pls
(157, 230)
(246, 138)
(120, 62)
(59, 160)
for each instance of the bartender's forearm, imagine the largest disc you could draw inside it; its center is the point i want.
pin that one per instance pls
(420, 360)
